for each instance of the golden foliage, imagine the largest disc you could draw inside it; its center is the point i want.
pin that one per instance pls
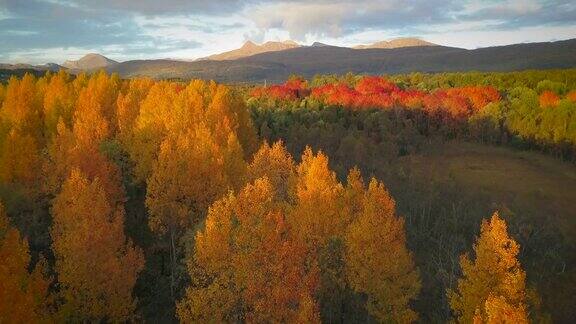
(252, 266)
(19, 159)
(59, 101)
(378, 262)
(171, 110)
(24, 296)
(317, 214)
(258, 256)
(22, 107)
(97, 266)
(493, 285)
(275, 163)
(189, 174)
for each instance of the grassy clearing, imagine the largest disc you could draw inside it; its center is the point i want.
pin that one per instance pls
(465, 182)
(520, 181)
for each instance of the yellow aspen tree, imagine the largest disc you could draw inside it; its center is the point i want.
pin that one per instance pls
(253, 269)
(493, 284)
(235, 167)
(151, 127)
(99, 97)
(24, 296)
(275, 163)
(378, 263)
(19, 160)
(79, 147)
(317, 195)
(187, 177)
(91, 126)
(2, 94)
(59, 101)
(227, 113)
(213, 294)
(191, 172)
(67, 152)
(97, 265)
(22, 107)
(128, 104)
(498, 311)
(354, 195)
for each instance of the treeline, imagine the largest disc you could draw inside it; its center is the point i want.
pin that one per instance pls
(520, 109)
(131, 200)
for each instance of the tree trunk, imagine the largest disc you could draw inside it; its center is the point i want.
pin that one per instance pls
(172, 262)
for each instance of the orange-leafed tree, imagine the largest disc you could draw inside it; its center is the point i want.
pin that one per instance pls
(227, 114)
(187, 177)
(498, 310)
(155, 117)
(172, 109)
(19, 159)
(22, 107)
(74, 149)
(97, 265)
(548, 99)
(2, 94)
(59, 101)
(24, 295)
(492, 288)
(275, 163)
(378, 263)
(246, 264)
(317, 195)
(99, 96)
(191, 172)
(128, 104)
(80, 146)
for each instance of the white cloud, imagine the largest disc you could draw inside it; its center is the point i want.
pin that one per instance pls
(188, 29)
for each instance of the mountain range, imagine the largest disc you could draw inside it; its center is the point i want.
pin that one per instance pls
(397, 43)
(275, 61)
(249, 48)
(310, 60)
(90, 61)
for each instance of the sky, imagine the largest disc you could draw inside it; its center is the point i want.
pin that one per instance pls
(41, 31)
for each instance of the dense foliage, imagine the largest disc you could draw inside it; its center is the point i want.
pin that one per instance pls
(144, 200)
(528, 114)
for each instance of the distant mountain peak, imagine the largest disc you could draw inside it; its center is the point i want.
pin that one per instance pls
(89, 61)
(318, 44)
(250, 48)
(397, 43)
(249, 44)
(290, 42)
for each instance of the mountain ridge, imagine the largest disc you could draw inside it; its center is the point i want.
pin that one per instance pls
(250, 48)
(91, 61)
(309, 61)
(397, 43)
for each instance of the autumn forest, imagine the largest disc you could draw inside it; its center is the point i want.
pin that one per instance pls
(350, 198)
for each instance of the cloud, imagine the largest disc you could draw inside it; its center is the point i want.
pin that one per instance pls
(184, 28)
(343, 17)
(515, 14)
(336, 18)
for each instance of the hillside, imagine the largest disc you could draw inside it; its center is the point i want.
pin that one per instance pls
(308, 61)
(249, 48)
(19, 70)
(22, 66)
(88, 62)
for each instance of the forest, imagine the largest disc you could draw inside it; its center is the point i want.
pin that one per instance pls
(410, 198)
